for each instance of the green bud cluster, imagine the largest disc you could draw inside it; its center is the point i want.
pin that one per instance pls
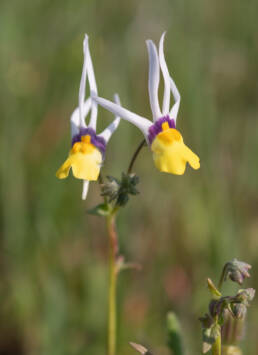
(225, 310)
(118, 190)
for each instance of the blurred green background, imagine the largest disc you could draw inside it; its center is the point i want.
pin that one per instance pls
(53, 256)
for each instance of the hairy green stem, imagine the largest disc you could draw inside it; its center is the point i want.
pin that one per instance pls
(113, 250)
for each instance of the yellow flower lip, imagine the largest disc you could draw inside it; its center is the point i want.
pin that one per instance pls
(84, 159)
(170, 154)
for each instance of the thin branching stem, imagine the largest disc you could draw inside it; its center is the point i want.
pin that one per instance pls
(135, 155)
(222, 278)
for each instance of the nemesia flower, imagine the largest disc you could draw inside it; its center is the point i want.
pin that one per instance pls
(170, 154)
(88, 148)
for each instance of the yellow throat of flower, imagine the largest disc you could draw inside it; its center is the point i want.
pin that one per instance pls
(84, 159)
(170, 154)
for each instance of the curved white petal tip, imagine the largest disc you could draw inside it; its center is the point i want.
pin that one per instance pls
(85, 43)
(153, 82)
(166, 77)
(82, 89)
(169, 84)
(92, 84)
(117, 99)
(174, 111)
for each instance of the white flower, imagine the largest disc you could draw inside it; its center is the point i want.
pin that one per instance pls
(170, 154)
(88, 149)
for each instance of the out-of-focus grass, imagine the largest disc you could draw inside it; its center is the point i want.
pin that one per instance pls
(181, 229)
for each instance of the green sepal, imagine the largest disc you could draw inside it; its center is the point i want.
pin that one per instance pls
(213, 290)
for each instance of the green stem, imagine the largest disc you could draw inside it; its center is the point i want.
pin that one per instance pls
(135, 155)
(221, 280)
(113, 249)
(216, 347)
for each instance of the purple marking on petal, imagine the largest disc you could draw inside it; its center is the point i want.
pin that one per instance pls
(156, 128)
(98, 142)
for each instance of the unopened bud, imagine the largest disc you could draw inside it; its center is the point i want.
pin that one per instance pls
(245, 296)
(238, 310)
(237, 271)
(110, 188)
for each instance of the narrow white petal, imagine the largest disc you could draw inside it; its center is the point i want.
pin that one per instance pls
(83, 81)
(75, 117)
(75, 122)
(153, 80)
(89, 66)
(85, 188)
(117, 99)
(142, 123)
(174, 111)
(93, 116)
(168, 84)
(166, 76)
(107, 133)
(92, 83)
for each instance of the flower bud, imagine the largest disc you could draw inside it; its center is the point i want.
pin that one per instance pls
(245, 296)
(237, 271)
(110, 189)
(120, 190)
(238, 310)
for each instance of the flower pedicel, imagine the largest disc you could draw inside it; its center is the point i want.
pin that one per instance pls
(170, 154)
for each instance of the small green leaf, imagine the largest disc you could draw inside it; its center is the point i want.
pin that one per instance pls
(212, 288)
(102, 210)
